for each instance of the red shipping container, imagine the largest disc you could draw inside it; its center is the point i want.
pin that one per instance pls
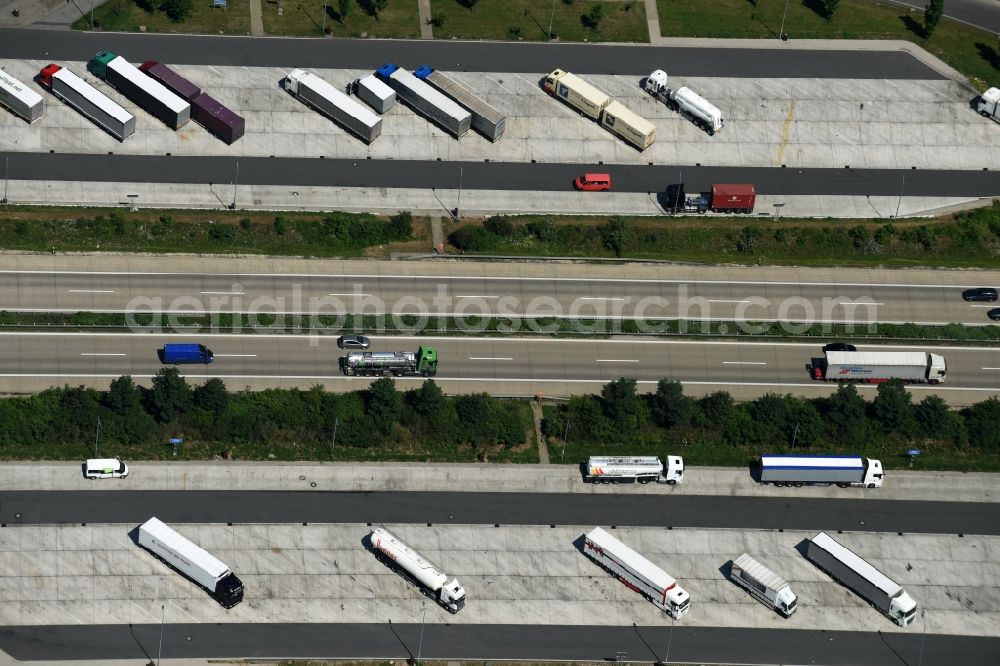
(734, 198)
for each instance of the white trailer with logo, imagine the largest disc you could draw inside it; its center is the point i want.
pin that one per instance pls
(576, 92)
(192, 561)
(629, 469)
(763, 584)
(637, 573)
(317, 93)
(848, 569)
(431, 579)
(880, 366)
(20, 99)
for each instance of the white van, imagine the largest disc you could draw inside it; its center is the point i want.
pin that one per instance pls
(105, 468)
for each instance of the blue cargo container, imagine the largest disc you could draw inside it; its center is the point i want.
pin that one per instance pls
(185, 353)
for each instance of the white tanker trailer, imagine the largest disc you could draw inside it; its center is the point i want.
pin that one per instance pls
(431, 579)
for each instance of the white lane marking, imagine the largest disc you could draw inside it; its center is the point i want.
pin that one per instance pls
(224, 293)
(352, 294)
(562, 341)
(716, 300)
(100, 354)
(617, 360)
(474, 296)
(184, 611)
(91, 291)
(491, 358)
(984, 306)
(235, 355)
(601, 298)
(370, 276)
(991, 368)
(744, 363)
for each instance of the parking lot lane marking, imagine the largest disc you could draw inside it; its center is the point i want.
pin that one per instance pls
(991, 368)
(235, 355)
(91, 291)
(100, 354)
(490, 358)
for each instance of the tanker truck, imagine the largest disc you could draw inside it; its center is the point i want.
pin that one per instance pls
(629, 469)
(685, 101)
(431, 580)
(873, 367)
(423, 362)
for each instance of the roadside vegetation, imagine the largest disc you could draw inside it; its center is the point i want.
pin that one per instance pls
(966, 239)
(973, 52)
(397, 19)
(378, 423)
(715, 430)
(180, 16)
(216, 232)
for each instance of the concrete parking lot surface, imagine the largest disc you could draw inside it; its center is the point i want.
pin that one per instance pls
(95, 574)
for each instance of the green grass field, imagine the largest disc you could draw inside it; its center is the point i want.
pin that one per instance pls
(304, 18)
(127, 16)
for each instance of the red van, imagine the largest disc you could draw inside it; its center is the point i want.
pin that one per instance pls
(593, 182)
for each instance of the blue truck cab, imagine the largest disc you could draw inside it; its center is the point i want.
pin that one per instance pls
(175, 354)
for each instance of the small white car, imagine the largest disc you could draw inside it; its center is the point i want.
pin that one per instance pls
(105, 468)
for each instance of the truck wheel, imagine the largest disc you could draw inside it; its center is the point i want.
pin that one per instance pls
(842, 485)
(984, 114)
(672, 482)
(871, 485)
(779, 484)
(798, 484)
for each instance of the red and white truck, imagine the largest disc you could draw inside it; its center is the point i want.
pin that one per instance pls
(874, 367)
(724, 198)
(637, 573)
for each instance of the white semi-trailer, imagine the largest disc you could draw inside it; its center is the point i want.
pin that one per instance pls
(89, 101)
(880, 366)
(629, 469)
(431, 579)
(869, 583)
(144, 90)
(763, 584)
(576, 92)
(637, 573)
(426, 100)
(192, 561)
(317, 93)
(20, 99)
(485, 119)
(812, 470)
(685, 101)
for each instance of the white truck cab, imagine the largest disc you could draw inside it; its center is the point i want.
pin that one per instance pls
(873, 473)
(105, 468)
(903, 609)
(989, 104)
(673, 469)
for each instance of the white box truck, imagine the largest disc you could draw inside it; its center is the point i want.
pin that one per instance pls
(989, 104)
(637, 573)
(374, 93)
(576, 92)
(763, 585)
(821, 470)
(866, 581)
(879, 366)
(431, 580)
(20, 99)
(192, 561)
(628, 125)
(629, 469)
(317, 93)
(685, 101)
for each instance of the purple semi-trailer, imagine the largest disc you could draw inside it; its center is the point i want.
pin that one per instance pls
(207, 111)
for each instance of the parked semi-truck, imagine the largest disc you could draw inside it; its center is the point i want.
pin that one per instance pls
(989, 104)
(880, 366)
(192, 561)
(688, 103)
(20, 99)
(629, 469)
(596, 105)
(485, 119)
(366, 363)
(426, 100)
(724, 198)
(349, 114)
(848, 569)
(144, 91)
(88, 100)
(637, 573)
(374, 92)
(763, 584)
(431, 579)
(811, 470)
(207, 111)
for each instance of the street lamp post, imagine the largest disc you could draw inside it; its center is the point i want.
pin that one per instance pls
(552, 17)
(562, 455)
(781, 32)
(6, 179)
(670, 637)
(236, 184)
(423, 615)
(458, 206)
(324, 18)
(97, 437)
(163, 616)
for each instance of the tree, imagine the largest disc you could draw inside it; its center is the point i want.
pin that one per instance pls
(170, 397)
(593, 18)
(893, 407)
(378, 6)
(474, 415)
(123, 395)
(670, 407)
(717, 410)
(770, 414)
(586, 419)
(177, 10)
(982, 420)
(845, 413)
(344, 7)
(829, 7)
(384, 404)
(628, 413)
(803, 423)
(934, 417)
(212, 397)
(614, 233)
(932, 16)
(436, 411)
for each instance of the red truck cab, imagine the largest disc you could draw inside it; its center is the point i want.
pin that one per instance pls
(45, 76)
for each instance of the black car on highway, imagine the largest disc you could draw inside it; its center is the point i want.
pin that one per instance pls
(839, 346)
(987, 294)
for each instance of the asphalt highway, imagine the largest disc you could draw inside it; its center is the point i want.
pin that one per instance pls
(634, 509)
(418, 174)
(490, 294)
(521, 57)
(304, 360)
(445, 642)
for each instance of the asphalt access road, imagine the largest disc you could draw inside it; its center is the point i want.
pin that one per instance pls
(492, 175)
(636, 509)
(369, 54)
(445, 642)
